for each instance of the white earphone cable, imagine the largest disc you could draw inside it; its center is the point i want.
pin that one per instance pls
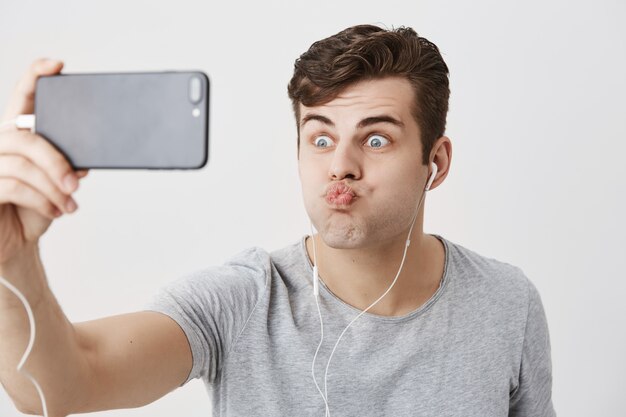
(23, 121)
(7, 123)
(31, 342)
(315, 284)
(408, 242)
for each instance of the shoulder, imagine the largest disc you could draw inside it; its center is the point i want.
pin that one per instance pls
(250, 270)
(290, 255)
(490, 281)
(242, 277)
(481, 269)
(291, 264)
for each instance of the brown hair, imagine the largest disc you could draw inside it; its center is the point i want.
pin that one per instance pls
(365, 52)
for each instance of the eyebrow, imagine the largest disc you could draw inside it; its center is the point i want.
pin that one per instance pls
(368, 121)
(318, 117)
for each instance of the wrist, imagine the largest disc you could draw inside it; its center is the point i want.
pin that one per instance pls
(24, 271)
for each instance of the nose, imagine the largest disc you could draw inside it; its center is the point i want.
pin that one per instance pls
(345, 162)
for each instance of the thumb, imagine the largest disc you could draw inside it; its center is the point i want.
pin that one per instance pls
(22, 100)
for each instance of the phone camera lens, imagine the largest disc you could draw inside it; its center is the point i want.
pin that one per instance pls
(195, 90)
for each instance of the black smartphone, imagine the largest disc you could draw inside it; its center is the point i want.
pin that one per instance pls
(132, 120)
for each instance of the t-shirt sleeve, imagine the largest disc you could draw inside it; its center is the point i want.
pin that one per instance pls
(532, 397)
(213, 305)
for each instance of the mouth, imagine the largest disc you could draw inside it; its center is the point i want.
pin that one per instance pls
(340, 195)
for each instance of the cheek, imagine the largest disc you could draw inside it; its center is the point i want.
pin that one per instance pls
(396, 185)
(310, 181)
(311, 171)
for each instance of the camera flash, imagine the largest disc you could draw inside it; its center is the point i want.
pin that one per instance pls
(195, 112)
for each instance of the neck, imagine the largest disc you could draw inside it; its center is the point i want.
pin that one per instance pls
(360, 276)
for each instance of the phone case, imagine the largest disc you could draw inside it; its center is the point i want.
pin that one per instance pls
(141, 120)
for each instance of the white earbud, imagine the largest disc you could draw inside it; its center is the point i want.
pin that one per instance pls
(432, 176)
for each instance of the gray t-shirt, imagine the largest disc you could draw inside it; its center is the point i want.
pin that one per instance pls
(479, 347)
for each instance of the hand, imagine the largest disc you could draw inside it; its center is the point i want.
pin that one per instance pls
(36, 180)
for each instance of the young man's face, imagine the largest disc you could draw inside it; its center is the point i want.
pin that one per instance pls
(360, 164)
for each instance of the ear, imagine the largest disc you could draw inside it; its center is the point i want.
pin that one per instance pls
(441, 155)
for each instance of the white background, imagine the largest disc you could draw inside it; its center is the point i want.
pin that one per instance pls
(537, 122)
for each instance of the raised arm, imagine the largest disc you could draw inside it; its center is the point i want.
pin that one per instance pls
(116, 362)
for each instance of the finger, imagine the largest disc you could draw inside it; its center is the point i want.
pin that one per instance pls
(41, 152)
(20, 168)
(20, 194)
(81, 173)
(23, 98)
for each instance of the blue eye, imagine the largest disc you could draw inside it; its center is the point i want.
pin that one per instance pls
(377, 141)
(322, 141)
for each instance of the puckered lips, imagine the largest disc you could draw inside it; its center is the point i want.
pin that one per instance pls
(340, 195)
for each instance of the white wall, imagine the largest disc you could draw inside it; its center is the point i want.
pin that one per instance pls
(537, 122)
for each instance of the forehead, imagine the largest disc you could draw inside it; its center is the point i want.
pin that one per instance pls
(391, 95)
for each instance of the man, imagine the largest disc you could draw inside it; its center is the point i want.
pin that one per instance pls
(370, 316)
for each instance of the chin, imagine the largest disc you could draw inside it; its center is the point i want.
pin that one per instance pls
(350, 237)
